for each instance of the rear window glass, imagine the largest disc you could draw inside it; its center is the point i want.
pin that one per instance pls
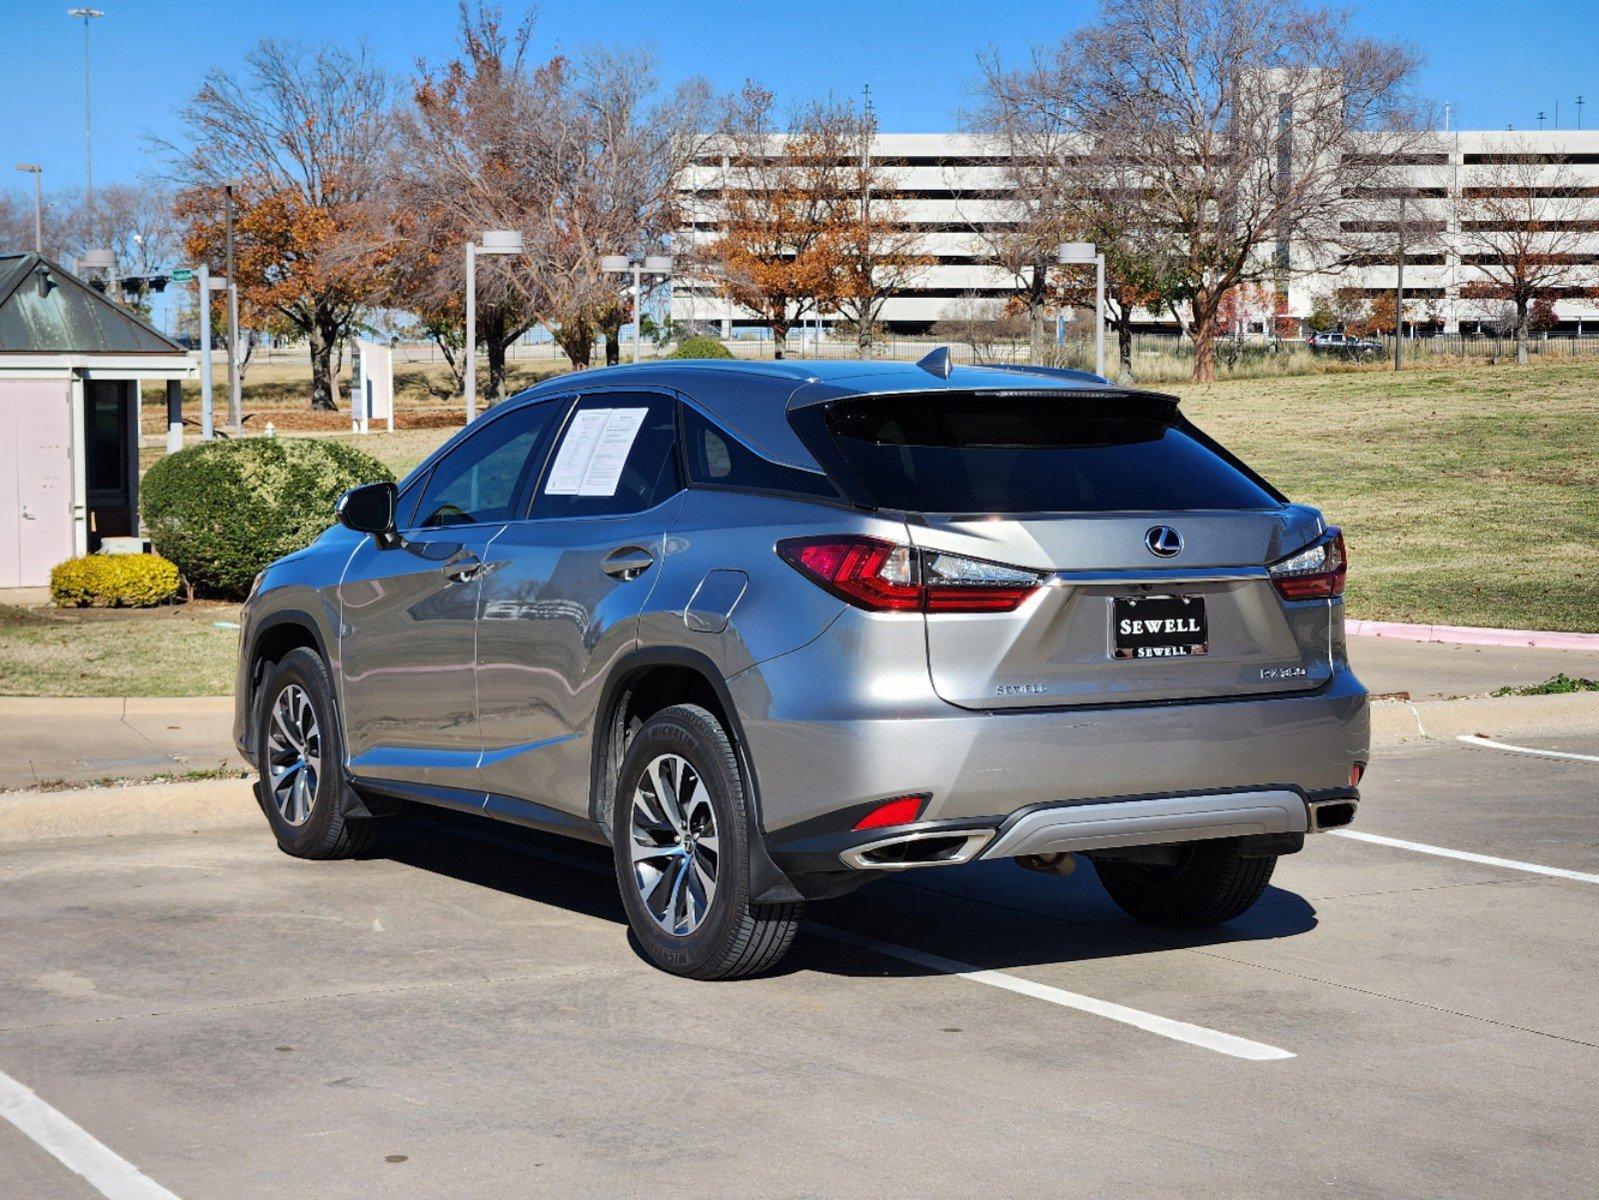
(1031, 454)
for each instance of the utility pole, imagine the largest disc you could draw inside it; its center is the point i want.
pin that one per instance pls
(863, 335)
(1580, 103)
(235, 399)
(1399, 293)
(1541, 120)
(88, 14)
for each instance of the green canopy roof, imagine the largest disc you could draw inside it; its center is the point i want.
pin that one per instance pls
(45, 309)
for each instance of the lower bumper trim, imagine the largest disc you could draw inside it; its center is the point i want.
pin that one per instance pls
(1152, 822)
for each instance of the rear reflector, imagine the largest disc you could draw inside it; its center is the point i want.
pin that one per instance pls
(1315, 573)
(882, 576)
(899, 811)
(1356, 770)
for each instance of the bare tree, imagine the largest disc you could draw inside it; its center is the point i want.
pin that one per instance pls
(1523, 227)
(467, 165)
(980, 323)
(304, 136)
(1248, 125)
(1021, 117)
(610, 148)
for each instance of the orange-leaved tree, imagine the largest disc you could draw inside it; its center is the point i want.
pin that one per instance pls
(303, 136)
(783, 210)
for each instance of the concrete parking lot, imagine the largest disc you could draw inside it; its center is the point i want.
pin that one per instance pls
(461, 1014)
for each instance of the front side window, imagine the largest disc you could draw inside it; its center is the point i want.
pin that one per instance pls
(479, 481)
(618, 454)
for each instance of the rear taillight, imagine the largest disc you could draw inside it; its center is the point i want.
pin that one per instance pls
(884, 576)
(1315, 573)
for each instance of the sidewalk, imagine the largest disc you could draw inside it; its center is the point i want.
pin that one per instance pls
(84, 739)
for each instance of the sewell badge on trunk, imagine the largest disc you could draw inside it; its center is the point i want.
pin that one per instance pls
(1158, 626)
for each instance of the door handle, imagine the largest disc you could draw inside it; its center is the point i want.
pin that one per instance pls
(463, 568)
(627, 562)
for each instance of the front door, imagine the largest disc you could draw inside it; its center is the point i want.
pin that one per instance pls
(561, 603)
(35, 479)
(408, 644)
(110, 409)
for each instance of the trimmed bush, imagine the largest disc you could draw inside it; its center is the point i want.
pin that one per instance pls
(114, 581)
(700, 347)
(223, 510)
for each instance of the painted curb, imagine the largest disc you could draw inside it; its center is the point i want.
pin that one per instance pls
(1470, 635)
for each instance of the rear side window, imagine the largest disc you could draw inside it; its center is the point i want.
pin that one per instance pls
(718, 459)
(618, 454)
(1008, 454)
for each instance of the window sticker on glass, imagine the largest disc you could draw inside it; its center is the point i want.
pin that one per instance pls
(610, 452)
(594, 451)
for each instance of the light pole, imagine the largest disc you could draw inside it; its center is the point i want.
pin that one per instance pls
(495, 241)
(37, 172)
(1082, 253)
(88, 14)
(235, 399)
(650, 264)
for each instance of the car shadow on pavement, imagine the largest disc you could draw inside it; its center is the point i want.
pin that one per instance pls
(992, 916)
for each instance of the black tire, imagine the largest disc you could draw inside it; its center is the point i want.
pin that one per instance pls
(1209, 883)
(323, 831)
(733, 938)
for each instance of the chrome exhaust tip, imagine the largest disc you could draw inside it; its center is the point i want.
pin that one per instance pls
(1332, 814)
(924, 848)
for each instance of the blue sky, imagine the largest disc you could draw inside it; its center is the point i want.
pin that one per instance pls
(1498, 62)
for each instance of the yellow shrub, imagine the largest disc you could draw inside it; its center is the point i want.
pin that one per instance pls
(114, 581)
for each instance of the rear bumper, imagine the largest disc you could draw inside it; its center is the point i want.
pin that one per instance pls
(1269, 820)
(816, 769)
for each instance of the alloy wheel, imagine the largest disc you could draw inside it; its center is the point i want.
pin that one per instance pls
(294, 754)
(674, 846)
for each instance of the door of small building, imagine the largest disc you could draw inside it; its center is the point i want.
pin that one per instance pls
(110, 454)
(35, 479)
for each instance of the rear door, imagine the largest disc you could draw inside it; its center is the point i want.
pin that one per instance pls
(564, 589)
(1152, 543)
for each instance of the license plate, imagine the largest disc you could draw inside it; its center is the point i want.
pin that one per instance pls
(1158, 626)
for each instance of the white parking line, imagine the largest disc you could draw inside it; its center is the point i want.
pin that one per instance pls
(1472, 740)
(1486, 860)
(108, 1173)
(1179, 1031)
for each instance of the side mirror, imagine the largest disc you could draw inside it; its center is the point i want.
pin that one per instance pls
(369, 508)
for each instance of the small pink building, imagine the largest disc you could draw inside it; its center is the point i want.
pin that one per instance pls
(71, 363)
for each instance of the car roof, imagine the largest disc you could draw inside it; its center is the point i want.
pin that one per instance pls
(752, 400)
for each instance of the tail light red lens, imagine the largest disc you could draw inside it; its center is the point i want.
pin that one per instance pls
(900, 811)
(882, 576)
(1315, 573)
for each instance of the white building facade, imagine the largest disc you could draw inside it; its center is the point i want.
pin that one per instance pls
(953, 189)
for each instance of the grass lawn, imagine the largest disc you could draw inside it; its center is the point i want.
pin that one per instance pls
(1469, 496)
(174, 651)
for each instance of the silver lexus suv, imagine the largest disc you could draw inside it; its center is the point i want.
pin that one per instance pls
(773, 630)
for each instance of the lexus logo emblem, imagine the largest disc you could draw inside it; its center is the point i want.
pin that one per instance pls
(1163, 541)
